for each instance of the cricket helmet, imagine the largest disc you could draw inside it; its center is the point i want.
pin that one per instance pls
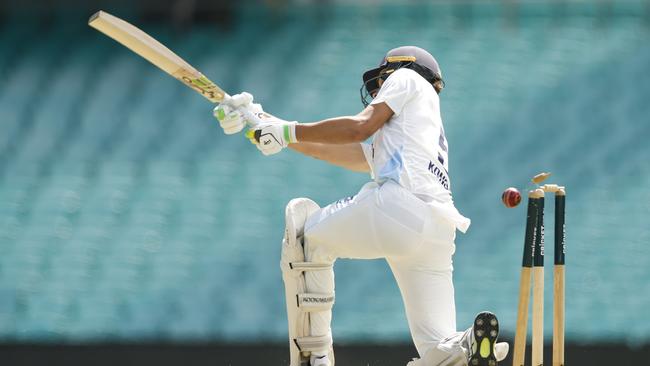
(411, 57)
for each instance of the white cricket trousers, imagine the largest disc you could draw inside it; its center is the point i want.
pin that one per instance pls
(389, 222)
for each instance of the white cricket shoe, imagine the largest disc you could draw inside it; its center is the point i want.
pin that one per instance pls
(483, 342)
(315, 360)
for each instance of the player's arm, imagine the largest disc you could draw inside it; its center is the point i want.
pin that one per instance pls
(345, 130)
(271, 138)
(271, 134)
(349, 156)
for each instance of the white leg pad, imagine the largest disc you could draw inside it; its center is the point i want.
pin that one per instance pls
(299, 302)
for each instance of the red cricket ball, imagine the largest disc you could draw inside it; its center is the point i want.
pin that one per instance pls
(511, 197)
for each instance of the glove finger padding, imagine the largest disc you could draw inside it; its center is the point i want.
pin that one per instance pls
(238, 100)
(255, 108)
(230, 119)
(233, 123)
(268, 149)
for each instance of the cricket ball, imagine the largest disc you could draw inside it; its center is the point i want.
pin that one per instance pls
(511, 197)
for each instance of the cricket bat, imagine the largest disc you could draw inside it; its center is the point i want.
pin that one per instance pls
(156, 53)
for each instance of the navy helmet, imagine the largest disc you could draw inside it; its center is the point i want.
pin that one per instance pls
(411, 57)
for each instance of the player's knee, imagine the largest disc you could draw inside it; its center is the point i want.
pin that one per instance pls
(297, 212)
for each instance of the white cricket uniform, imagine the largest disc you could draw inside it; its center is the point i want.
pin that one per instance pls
(405, 215)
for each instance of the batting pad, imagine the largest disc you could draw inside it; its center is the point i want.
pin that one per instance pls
(299, 302)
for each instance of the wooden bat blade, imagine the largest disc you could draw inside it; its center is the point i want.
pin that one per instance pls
(155, 52)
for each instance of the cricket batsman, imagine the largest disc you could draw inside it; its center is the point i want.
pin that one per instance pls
(405, 214)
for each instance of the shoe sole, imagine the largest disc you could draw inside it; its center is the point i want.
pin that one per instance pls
(486, 332)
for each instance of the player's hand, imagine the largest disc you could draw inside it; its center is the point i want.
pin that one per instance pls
(271, 138)
(230, 112)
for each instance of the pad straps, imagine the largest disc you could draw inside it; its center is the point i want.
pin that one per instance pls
(311, 344)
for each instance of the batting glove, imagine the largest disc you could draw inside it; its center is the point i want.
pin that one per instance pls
(230, 112)
(271, 138)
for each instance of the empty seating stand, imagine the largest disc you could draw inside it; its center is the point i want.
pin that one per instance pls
(125, 212)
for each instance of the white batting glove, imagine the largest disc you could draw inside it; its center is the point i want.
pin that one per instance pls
(271, 138)
(229, 112)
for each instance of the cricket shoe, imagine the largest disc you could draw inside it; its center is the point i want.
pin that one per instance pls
(485, 332)
(319, 360)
